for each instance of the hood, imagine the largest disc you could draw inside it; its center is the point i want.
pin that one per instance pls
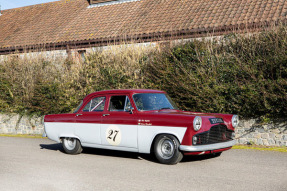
(169, 113)
(188, 113)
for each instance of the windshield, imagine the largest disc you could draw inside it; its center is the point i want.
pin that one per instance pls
(153, 101)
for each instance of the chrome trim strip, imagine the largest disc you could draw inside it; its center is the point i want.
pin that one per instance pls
(207, 147)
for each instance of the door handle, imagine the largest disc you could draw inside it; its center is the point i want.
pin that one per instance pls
(78, 115)
(105, 115)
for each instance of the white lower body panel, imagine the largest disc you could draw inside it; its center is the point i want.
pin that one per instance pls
(134, 138)
(55, 131)
(147, 134)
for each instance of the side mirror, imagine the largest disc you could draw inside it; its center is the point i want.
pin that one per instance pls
(130, 109)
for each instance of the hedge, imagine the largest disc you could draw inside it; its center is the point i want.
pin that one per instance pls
(242, 74)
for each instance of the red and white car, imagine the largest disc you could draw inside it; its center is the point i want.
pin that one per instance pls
(144, 121)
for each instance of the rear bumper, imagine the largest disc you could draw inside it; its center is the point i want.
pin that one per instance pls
(210, 147)
(44, 133)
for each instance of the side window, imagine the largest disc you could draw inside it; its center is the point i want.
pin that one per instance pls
(96, 104)
(119, 103)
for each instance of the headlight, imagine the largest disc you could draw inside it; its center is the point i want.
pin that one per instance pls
(197, 122)
(235, 121)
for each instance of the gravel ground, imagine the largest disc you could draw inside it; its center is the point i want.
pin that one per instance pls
(40, 164)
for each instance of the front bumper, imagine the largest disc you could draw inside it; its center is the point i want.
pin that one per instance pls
(207, 147)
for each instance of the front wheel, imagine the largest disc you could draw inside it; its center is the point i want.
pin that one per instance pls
(72, 146)
(166, 149)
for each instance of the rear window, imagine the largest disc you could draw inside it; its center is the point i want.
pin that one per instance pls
(77, 109)
(96, 104)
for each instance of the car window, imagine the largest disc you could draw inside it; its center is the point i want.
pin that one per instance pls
(128, 104)
(119, 103)
(96, 104)
(153, 101)
(79, 106)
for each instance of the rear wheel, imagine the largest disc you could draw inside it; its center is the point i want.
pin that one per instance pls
(166, 149)
(72, 145)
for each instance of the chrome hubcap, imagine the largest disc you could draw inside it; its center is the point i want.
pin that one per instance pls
(70, 143)
(166, 148)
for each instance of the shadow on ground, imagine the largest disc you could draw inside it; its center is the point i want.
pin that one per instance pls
(197, 158)
(52, 147)
(123, 154)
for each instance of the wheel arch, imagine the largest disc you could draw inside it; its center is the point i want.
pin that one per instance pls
(69, 136)
(159, 134)
(147, 135)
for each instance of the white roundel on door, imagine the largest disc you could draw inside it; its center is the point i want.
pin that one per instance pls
(113, 135)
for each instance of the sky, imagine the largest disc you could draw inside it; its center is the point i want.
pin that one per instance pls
(10, 4)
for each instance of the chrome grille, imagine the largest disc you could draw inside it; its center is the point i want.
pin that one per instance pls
(216, 134)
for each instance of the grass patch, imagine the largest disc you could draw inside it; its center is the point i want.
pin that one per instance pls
(261, 148)
(23, 136)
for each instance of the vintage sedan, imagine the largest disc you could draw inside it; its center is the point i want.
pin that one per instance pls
(143, 121)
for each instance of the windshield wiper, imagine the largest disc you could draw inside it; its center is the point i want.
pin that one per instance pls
(164, 108)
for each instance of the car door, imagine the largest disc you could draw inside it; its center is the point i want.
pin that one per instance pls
(119, 125)
(88, 120)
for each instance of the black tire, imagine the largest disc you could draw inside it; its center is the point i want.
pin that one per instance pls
(166, 149)
(72, 146)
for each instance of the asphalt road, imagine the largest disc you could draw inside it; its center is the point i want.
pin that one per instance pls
(40, 164)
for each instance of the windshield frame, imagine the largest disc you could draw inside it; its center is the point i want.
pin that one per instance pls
(171, 102)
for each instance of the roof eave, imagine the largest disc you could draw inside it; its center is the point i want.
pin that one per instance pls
(141, 38)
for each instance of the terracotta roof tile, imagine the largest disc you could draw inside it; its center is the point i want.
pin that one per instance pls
(72, 20)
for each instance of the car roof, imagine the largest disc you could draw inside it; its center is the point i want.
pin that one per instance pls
(125, 91)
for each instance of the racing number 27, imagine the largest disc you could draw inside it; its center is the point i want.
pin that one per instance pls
(113, 134)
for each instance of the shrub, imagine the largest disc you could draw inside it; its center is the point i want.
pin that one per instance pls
(246, 75)
(42, 86)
